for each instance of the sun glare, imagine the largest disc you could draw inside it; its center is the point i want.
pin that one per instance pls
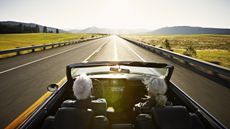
(119, 13)
(148, 14)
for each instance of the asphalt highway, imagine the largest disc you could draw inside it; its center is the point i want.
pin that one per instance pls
(23, 79)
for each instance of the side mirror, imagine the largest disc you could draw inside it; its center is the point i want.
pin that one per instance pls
(52, 87)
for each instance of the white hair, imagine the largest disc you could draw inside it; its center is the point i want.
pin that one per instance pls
(157, 87)
(82, 87)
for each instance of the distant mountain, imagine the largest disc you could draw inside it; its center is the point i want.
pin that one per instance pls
(164, 30)
(108, 31)
(190, 30)
(97, 30)
(21, 27)
(73, 30)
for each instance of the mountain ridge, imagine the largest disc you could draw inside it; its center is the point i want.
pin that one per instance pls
(160, 31)
(9, 26)
(94, 29)
(190, 30)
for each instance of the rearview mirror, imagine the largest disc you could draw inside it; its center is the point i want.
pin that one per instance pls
(52, 87)
(119, 70)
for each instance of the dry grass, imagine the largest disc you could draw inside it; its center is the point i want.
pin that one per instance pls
(211, 48)
(10, 41)
(220, 57)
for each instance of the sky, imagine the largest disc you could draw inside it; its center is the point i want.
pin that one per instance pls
(118, 14)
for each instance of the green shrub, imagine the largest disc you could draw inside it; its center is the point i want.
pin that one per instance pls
(166, 44)
(190, 51)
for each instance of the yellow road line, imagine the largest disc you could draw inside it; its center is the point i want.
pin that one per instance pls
(23, 116)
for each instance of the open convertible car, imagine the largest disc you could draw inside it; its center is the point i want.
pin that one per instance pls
(117, 87)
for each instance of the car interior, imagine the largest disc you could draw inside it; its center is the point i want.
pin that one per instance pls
(113, 108)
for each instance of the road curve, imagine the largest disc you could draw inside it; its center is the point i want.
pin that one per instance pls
(24, 78)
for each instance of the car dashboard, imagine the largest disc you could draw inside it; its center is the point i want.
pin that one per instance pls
(121, 94)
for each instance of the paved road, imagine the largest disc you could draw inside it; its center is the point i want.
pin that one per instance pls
(24, 78)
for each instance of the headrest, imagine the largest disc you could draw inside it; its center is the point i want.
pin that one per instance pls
(99, 106)
(172, 117)
(68, 103)
(82, 104)
(72, 118)
(100, 122)
(144, 121)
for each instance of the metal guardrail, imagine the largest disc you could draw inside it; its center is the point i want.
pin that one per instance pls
(216, 70)
(43, 47)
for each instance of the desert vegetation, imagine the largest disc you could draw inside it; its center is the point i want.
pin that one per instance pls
(211, 48)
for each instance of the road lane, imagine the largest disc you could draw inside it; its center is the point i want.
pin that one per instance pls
(21, 87)
(16, 61)
(212, 96)
(28, 83)
(114, 51)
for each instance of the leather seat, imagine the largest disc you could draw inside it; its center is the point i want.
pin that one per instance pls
(73, 118)
(100, 122)
(169, 117)
(48, 123)
(68, 103)
(196, 122)
(98, 106)
(172, 117)
(122, 126)
(144, 121)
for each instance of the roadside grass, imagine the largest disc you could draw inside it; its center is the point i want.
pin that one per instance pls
(219, 57)
(10, 41)
(212, 48)
(199, 41)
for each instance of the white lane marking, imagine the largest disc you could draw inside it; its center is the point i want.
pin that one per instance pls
(135, 53)
(86, 59)
(115, 49)
(96, 51)
(153, 70)
(8, 70)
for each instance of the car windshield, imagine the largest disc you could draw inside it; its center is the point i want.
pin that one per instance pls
(113, 71)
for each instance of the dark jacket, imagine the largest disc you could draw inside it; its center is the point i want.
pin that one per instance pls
(145, 107)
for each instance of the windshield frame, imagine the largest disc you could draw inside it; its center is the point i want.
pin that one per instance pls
(116, 63)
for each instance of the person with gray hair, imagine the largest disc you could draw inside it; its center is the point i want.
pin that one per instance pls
(82, 87)
(82, 91)
(156, 87)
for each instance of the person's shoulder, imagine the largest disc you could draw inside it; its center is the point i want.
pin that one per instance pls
(150, 102)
